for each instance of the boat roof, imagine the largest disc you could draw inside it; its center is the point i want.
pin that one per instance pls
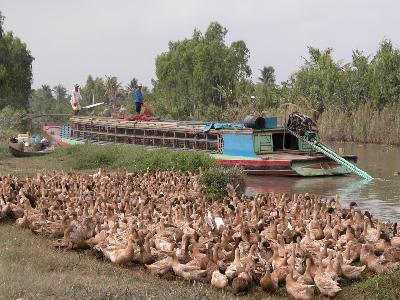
(169, 125)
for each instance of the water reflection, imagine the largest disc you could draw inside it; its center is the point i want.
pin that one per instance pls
(380, 196)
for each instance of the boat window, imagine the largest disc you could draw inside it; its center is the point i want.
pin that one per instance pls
(291, 142)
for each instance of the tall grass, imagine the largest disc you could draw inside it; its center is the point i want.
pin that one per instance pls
(363, 124)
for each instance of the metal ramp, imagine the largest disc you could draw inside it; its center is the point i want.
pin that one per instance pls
(331, 154)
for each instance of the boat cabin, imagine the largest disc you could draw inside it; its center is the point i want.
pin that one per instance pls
(259, 142)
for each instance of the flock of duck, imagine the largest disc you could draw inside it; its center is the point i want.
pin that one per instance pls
(162, 221)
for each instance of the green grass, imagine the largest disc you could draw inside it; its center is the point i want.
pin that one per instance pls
(88, 158)
(135, 159)
(92, 157)
(382, 286)
(31, 269)
(3, 151)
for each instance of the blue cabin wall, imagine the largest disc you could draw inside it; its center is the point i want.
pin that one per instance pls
(271, 122)
(239, 144)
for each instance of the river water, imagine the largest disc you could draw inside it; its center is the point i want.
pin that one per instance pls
(380, 196)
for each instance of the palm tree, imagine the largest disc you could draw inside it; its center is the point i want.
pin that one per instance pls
(267, 76)
(132, 85)
(112, 87)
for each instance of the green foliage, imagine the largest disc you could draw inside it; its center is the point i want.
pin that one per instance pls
(199, 73)
(202, 78)
(1, 25)
(60, 93)
(112, 88)
(15, 70)
(385, 69)
(111, 91)
(3, 150)
(11, 121)
(42, 102)
(93, 88)
(217, 179)
(267, 76)
(135, 159)
(318, 80)
(321, 81)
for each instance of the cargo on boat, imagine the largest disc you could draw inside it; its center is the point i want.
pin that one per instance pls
(26, 146)
(262, 147)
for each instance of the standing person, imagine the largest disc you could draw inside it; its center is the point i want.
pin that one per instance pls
(76, 98)
(138, 98)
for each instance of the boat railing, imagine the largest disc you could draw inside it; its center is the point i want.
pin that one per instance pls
(145, 134)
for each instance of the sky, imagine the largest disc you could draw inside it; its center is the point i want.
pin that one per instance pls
(72, 39)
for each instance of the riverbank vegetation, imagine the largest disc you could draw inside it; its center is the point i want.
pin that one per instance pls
(90, 158)
(204, 78)
(133, 159)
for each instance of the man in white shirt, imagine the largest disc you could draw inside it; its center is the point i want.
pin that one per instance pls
(76, 98)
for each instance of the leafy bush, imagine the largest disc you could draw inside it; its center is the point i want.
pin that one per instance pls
(5, 133)
(217, 179)
(11, 121)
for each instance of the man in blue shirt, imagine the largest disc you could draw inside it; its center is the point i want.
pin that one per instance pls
(138, 98)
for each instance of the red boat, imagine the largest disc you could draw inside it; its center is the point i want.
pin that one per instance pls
(265, 149)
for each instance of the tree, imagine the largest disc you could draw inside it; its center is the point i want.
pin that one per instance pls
(60, 92)
(112, 87)
(200, 74)
(385, 68)
(15, 70)
(266, 89)
(40, 103)
(132, 85)
(359, 79)
(319, 81)
(1, 25)
(267, 76)
(47, 91)
(94, 88)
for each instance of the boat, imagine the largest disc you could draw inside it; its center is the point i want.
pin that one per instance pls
(259, 146)
(19, 150)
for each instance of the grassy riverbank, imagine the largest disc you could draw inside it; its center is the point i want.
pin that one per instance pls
(89, 158)
(110, 158)
(30, 269)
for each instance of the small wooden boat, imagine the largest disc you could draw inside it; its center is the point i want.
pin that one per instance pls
(19, 150)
